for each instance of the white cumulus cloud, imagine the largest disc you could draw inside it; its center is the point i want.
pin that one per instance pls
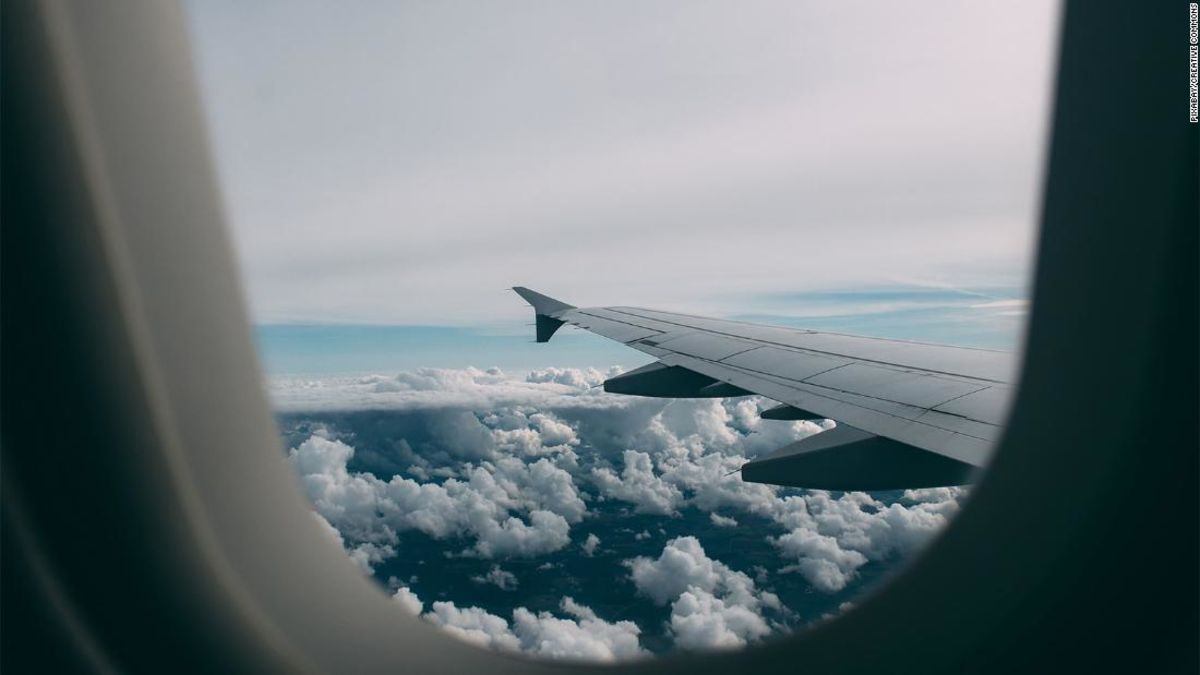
(508, 507)
(638, 484)
(474, 625)
(590, 544)
(711, 604)
(579, 635)
(701, 620)
(408, 600)
(502, 579)
(722, 521)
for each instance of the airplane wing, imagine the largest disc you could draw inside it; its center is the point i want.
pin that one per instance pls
(908, 414)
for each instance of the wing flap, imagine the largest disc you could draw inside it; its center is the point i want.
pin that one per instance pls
(659, 380)
(784, 411)
(846, 458)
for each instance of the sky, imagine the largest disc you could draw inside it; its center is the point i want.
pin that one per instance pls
(403, 163)
(926, 315)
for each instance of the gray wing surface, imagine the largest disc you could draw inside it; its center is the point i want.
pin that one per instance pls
(909, 414)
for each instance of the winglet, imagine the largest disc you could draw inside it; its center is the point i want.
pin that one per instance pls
(542, 304)
(546, 310)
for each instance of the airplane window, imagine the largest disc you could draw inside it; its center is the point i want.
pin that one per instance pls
(392, 170)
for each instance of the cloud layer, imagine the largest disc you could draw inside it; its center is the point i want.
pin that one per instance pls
(522, 463)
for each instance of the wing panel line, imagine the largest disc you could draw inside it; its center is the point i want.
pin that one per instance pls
(781, 345)
(806, 388)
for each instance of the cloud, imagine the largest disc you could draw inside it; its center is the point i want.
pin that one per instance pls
(575, 378)
(552, 432)
(463, 433)
(589, 546)
(1011, 304)
(408, 600)
(722, 521)
(533, 435)
(366, 555)
(486, 505)
(639, 485)
(435, 389)
(701, 620)
(681, 565)
(474, 625)
(585, 636)
(580, 635)
(546, 532)
(711, 604)
(505, 581)
(863, 523)
(820, 558)
(830, 539)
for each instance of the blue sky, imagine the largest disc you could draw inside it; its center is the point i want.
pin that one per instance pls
(990, 318)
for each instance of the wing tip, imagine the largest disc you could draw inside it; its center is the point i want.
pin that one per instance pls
(542, 304)
(546, 312)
